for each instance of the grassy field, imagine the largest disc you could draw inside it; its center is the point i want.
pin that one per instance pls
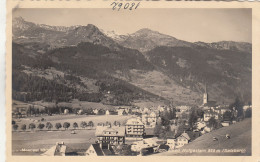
(45, 139)
(240, 133)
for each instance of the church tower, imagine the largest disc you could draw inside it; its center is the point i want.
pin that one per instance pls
(205, 96)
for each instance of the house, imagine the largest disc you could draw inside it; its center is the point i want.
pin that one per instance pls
(161, 108)
(247, 107)
(145, 143)
(221, 109)
(171, 143)
(225, 123)
(182, 140)
(121, 112)
(108, 135)
(96, 150)
(145, 110)
(80, 112)
(127, 109)
(149, 119)
(207, 129)
(95, 111)
(183, 108)
(135, 110)
(200, 125)
(66, 111)
(134, 129)
(209, 114)
(58, 150)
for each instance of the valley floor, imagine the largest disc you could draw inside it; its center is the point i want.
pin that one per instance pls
(44, 140)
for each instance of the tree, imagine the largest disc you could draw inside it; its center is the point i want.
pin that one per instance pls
(162, 131)
(117, 123)
(41, 126)
(83, 124)
(13, 122)
(227, 116)
(49, 125)
(91, 124)
(15, 127)
(23, 127)
(248, 113)
(32, 126)
(212, 122)
(238, 105)
(66, 125)
(75, 125)
(108, 123)
(192, 118)
(58, 126)
(123, 150)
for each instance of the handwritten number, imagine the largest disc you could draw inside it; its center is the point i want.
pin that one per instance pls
(120, 5)
(126, 6)
(137, 5)
(114, 7)
(132, 5)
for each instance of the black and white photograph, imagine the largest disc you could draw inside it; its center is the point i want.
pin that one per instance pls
(144, 82)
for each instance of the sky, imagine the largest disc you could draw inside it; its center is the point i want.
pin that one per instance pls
(207, 25)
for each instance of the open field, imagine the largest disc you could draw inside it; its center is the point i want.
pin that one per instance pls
(45, 139)
(240, 139)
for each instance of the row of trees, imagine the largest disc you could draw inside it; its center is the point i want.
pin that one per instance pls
(49, 125)
(115, 123)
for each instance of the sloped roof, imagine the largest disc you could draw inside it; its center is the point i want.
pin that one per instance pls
(134, 121)
(100, 131)
(97, 149)
(102, 152)
(50, 152)
(56, 150)
(185, 135)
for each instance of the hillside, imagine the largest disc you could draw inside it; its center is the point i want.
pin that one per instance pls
(85, 63)
(81, 72)
(240, 139)
(226, 73)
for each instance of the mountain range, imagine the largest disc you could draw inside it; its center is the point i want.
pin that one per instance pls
(125, 69)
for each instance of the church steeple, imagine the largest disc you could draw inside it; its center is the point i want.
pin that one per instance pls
(205, 96)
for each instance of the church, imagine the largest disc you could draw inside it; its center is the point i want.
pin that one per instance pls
(206, 103)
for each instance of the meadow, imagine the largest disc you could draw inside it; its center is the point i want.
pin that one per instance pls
(44, 139)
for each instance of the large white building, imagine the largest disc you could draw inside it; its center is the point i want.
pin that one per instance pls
(134, 128)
